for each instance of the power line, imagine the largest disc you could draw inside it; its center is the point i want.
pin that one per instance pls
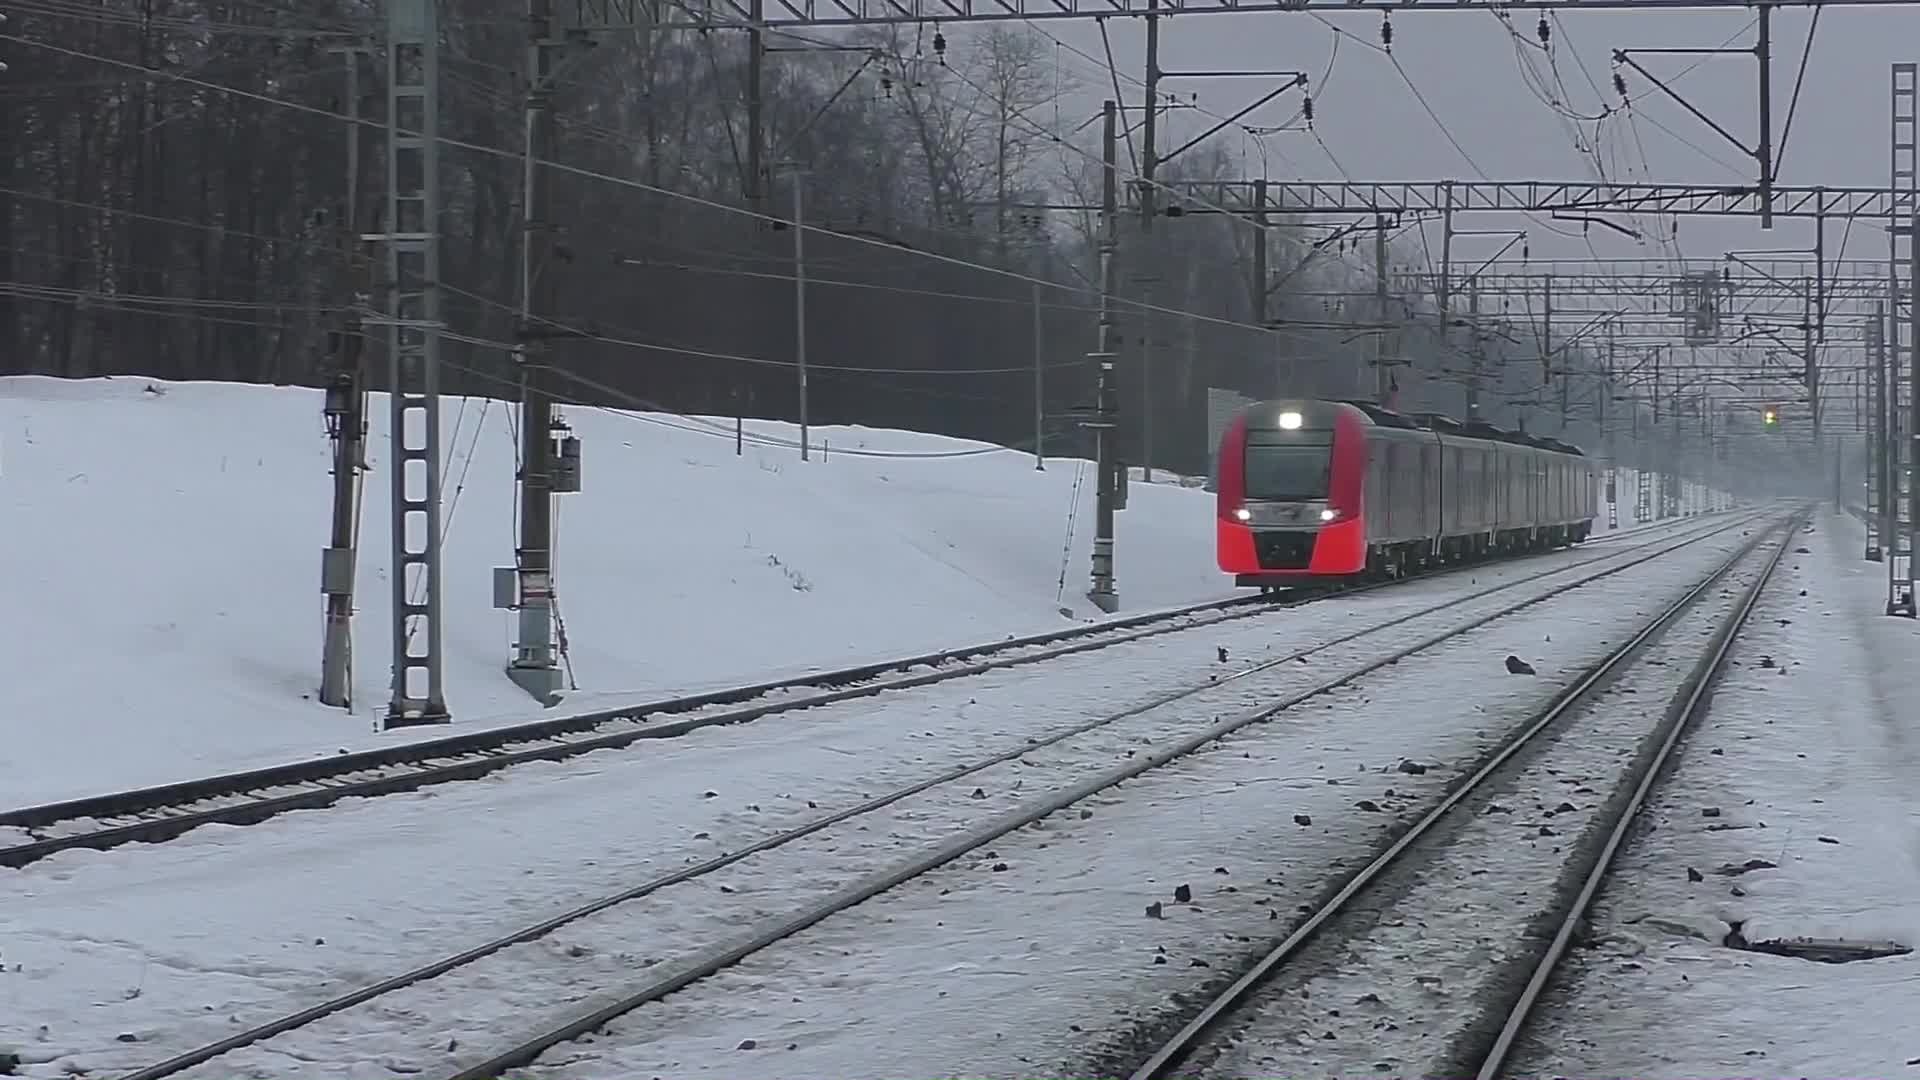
(594, 174)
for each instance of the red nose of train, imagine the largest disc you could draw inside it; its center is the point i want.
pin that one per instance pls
(1288, 504)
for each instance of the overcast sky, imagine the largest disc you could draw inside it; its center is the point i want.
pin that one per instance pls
(1464, 63)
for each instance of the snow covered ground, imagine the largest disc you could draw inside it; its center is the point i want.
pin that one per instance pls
(1811, 755)
(164, 544)
(311, 904)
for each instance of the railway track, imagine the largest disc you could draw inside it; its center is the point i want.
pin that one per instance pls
(947, 814)
(156, 814)
(1465, 916)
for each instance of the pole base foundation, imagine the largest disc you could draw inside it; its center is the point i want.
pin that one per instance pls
(541, 683)
(430, 715)
(1108, 602)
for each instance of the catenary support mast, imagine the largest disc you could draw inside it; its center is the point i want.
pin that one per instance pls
(413, 348)
(346, 417)
(534, 666)
(1105, 423)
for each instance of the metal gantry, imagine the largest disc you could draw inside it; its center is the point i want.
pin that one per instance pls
(413, 325)
(1536, 196)
(796, 13)
(1878, 530)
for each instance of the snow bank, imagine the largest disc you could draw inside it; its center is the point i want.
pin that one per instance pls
(163, 546)
(163, 543)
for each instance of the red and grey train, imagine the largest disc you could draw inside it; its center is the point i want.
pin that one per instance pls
(1336, 489)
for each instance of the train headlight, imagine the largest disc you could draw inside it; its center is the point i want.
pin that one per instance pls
(1243, 514)
(1329, 515)
(1289, 421)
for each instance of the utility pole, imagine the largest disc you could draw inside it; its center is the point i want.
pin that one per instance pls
(1259, 291)
(800, 303)
(1149, 164)
(1107, 408)
(411, 237)
(1547, 367)
(1192, 325)
(1446, 299)
(1149, 156)
(533, 667)
(1881, 542)
(1903, 350)
(1763, 51)
(1660, 510)
(1839, 493)
(755, 180)
(1817, 324)
(1039, 384)
(1606, 436)
(1382, 376)
(1474, 347)
(1148, 324)
(346, 418)
(1912, 462)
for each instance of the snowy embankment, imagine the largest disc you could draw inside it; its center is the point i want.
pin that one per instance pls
(1809, 764)
(164, 541)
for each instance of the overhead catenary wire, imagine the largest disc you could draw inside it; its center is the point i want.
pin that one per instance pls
(594, 174)
(1119, 301)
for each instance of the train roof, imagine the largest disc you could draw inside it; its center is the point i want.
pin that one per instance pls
(1447, 425)
(1382, 417)
(1427, 421)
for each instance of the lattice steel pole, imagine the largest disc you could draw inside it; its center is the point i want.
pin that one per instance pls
(1876, 433)
(1904, 188)
(413, 350)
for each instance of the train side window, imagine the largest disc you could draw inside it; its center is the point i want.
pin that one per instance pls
(1429, 483)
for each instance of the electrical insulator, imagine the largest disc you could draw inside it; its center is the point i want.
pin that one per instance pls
(337, 404)
(1306, 108)
(1545, 32)
(939, 44)
(1386, 31)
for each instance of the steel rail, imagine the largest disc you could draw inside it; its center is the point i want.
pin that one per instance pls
(340, 1003)
(1176, 1048)
(1679, 717)
(525, 1052)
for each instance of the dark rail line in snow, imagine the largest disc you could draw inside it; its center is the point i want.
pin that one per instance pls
(1182, 1046)
(155, 814)
(1693, 699)
(945, 853)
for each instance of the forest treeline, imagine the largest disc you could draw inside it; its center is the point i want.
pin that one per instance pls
(176, 172)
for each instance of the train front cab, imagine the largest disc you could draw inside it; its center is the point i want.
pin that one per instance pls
(1289, 499)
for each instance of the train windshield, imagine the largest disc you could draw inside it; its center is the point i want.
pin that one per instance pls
(1288, 467)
